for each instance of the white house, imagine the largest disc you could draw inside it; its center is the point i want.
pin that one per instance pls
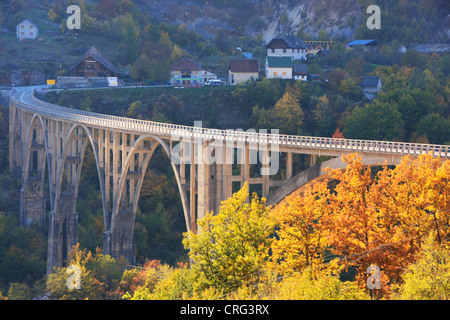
(371, 84)
(300, 71)
(287, 46)
(26, 30)
(279, 67)
(241, 71)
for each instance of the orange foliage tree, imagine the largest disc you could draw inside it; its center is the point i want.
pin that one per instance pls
(368, 218)
(300, 239)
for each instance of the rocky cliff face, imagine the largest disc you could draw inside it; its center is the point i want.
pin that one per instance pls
(266, 17)
(22, 78)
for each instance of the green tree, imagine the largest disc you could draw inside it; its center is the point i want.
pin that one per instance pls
(324, 116)
(374, 121)
(130, 39)
(141, 68)
(413, 58)
(435, 128)
(232, 246)
(323, 35)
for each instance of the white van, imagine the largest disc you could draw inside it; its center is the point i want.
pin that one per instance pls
(214, 83)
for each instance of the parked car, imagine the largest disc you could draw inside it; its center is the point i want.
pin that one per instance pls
(214, 83)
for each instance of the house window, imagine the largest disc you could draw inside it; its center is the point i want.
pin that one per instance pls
(273, 50)
(284, 50)
(31, 33)
(284, 73)
(22, 33)
(31, 27)
(275, 73)
(22, 26)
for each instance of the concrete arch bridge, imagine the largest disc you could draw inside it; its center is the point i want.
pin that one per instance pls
(49, 138)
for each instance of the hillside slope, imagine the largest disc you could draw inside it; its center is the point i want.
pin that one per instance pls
(266, 17)
(413, 20)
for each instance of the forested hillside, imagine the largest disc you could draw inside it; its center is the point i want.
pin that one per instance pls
(143, 38)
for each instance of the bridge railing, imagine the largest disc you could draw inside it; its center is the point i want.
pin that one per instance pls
(187, 132)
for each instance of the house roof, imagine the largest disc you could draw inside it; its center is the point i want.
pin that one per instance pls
(324, 51)
(361, 42)
(279, 62)
(300, 68)
(286, 41)
(96, 54)
(186, 64)
(29, 21)
(244, 65)
(370, 81)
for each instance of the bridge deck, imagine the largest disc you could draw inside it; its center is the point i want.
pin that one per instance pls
(297, 144)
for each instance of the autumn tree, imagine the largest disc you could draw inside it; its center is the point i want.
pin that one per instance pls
(107, 7)
(287, 115)
(355, 226)
(233, 245)
(338, 134)
(100, 276)
(314, 284)
(427, 278)
(300, 240)
(383, 219)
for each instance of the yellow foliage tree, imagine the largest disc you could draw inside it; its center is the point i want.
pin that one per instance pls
(232, 246)
(301, 239)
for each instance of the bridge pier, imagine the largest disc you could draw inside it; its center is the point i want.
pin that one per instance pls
(120, 242)
(32, 204)
(62, 234)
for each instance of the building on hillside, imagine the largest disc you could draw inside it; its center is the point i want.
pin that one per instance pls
(300, 71)
(322, 53)
(241, 71)
(371, 84)
(362, 44)
(317, 44)
(93, 64)
(287, 46)
(187, 73)
(27, 30)
(279, 67)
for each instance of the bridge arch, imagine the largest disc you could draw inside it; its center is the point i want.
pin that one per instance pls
(15, 142)
(317, 173)
(63, 218)
(118, 240)
(74, 153)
